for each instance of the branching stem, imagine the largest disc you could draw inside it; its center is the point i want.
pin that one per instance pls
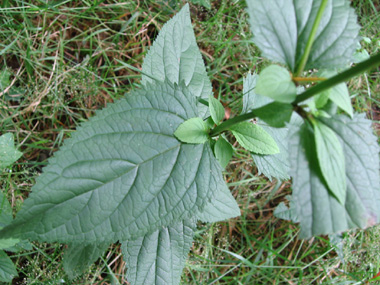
(372, 62)
(233, 121)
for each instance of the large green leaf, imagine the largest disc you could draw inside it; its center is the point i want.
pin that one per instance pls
(331, 160)
(175, 56)
(282, 28)
(318, 211)
(5, 211)
(274, 165)
(78, 257)
(123, 174)
(222, 207)
(7, 269)
(6, 219)
(287, 213)
(159, 257)
(8, 152)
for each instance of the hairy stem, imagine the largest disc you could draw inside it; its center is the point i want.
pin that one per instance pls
(372, 62)
(310, 41)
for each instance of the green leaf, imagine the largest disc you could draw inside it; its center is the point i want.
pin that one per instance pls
(282, 29)
(221, 208)
(223, 151)
(321, 99)
(123, 174)
(210, 123)
(194, 130)
(13, 93)
(20, 246)
(275, 82)
(341, 97)
(5, 219)
(331, 160)
(7, 243)
(274, 165)
(286, 213)
(7, 269)
(4, 79)
(216, 110)
(362, 166)
(8, 152)
(339, 94)
(275, 114)
(5, 211)
(360, 55)
(252, 100)
(174, 56)
(159, 257)
(204, 3)
(320, 212)
(78, 257)
(253, 138)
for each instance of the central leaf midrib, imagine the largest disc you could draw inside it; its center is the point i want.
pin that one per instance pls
(195, 177)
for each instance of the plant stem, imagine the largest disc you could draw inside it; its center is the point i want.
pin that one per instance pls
(310, 41)
(372, 62)
(230, 122)
(202, 101)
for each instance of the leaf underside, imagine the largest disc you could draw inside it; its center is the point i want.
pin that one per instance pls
(318, 211)
(123, 174)
(159, 257)
(222, 207)
(78, 257)
(286, 213)
(282, 28)
(175, 57)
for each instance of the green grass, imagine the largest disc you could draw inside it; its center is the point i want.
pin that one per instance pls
(63, 61)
